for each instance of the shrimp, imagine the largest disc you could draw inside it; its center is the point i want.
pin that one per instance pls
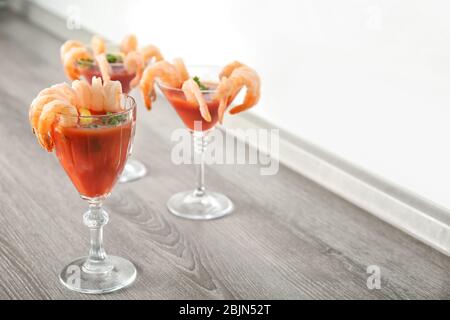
(60, 91)
(112, 91)
(70, 59)
(193, 95)
(69, 118)
(229, 68)
(128, 44)
(64, 104)
(163, 70)
(149, 52)
(97, 95)
(181, 68)
(134, 63)
(98, 45)
(36, 107)
(69, 44)
(103, 64)
(83, 93)
(223, 93)
(245, 77)
(64, 89)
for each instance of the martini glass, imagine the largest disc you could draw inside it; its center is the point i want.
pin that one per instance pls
(93, 154)
(198, 204)
(134, 169)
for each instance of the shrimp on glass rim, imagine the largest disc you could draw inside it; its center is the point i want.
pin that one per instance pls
(134, 63)
(234, 77)
(229, 68)
(181, 68)
(98, 45)
(150, 52)
(193, 95)
(245, 77)
(104, 66)
(80, 60)
(223, 93)
(129, 44)
(69, 44)
(71, 58)
(48, 117)
(162, 70)
(71, 101)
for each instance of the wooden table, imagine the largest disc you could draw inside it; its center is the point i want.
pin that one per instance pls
(288, 237)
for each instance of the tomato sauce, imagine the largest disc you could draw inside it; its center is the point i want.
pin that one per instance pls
(190, 112)
(93, 157)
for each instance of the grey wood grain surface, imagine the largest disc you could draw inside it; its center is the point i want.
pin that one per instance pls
(288, 237)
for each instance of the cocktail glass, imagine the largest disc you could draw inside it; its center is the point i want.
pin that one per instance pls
(198, 204)
(134, 169)
(93, 154)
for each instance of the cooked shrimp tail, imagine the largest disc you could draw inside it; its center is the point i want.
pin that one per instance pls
(134, 63)
(128, 44)
(181, 68)
(98, 45)
(103, 64)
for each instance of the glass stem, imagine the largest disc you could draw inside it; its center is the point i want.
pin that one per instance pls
(200, 144)
(95, 218)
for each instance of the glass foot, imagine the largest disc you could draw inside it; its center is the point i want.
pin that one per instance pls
(121, 275)
(208, 206)
(134, 170)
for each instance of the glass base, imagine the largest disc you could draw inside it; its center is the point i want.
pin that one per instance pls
(75, 278)
(208, 206)
(134, 170)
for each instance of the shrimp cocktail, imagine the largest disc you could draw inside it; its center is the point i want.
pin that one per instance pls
(125, 64)
(91, 130)
(201, 101)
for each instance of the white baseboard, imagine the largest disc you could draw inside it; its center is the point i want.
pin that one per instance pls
(403, 209)
(418, 217)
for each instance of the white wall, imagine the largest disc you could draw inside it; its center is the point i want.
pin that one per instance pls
(368, 80)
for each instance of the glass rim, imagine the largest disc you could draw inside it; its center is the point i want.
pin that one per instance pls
(130, 108)
(107, 45)
(95, 64)
(164, 86)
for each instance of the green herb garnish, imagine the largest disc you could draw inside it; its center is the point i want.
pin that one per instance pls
(113, 58)
(85, 63)
(114, 120)
(200, 85)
